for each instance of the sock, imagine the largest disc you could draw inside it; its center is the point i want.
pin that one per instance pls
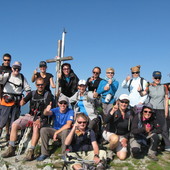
(32, 147)
(12, 143)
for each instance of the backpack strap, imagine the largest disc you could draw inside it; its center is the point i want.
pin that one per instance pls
(141, 83)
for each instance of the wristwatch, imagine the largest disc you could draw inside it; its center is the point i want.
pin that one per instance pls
(96, 155)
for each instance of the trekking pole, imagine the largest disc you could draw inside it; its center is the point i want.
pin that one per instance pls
(23, 140)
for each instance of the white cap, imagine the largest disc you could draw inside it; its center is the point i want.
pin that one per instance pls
(82, 82)
(124, 97)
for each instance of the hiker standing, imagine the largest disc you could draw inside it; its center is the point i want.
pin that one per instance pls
(39, 100)
(93, 81)
(107, 89)
(68, 80)
(5, 68)
(14, 84)
(48, 77)
(132, 86)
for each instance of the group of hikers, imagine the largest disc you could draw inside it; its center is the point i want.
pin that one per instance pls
(85, 116)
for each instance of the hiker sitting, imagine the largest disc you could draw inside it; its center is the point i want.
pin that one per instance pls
(118, 123)
(14, 84)
(82, 144)
(132, 86)
(85, 103)
(145, 128)
(63, 119)
(39, 100)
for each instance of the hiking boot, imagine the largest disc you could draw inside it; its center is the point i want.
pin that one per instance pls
(153, 157)
(9, 152)
(29, 155)
(100, 166)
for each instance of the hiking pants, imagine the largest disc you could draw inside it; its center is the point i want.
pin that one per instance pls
(47, 133)
(135, 144)
(7, 112)
(160, 117)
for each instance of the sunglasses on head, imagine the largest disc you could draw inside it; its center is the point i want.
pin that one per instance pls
(40, 84)
(157, 78)
(7, 60)
(137, 72)
(80, 122)
(145, 111)
(109, 72)
(63, 103)
(122, 101)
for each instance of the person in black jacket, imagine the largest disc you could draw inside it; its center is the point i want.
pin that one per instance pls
(145, 128)
(68, 80)
(93, 82)
(118, 122)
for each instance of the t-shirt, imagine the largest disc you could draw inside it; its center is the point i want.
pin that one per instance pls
(46, 80)
(60, 119)
(83, 142)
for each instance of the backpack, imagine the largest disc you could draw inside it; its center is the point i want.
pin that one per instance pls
(22, 78)
(141, 83)
(37, 102)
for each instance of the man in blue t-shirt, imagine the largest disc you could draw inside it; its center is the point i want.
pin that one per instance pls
(63, 119)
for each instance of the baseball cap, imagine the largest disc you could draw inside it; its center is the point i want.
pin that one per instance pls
(157, 74)
(124, 97)
(82, 82)
(148, 105)
(43, 64)
(63, 98)
(17, 64)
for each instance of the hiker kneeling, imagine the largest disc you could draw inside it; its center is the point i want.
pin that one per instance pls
(118, 126)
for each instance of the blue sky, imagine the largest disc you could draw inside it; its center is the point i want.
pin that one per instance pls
(105, 33)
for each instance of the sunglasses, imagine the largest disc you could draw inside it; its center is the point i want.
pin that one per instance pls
(109, 72)
(63, 103)
(145, 111)
(17, 69)
(81, 122)
(40, 84)
(7, 60)
(157, 78)
(136, 72)
(126, 102)
(95, 72)
(66, 68)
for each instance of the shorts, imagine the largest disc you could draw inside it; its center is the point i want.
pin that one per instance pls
(23, 121)
(106, 136)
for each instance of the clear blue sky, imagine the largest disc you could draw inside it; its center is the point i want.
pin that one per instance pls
(105, 33)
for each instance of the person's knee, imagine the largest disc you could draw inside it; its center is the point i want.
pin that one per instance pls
(15, 126)
(114, 139)
(43, 131)
(122, 156)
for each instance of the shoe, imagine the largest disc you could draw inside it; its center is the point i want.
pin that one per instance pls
(29, 155)
(9, 152)
(167, 148)
(100, 166)
(153, 157)
(42, 157)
